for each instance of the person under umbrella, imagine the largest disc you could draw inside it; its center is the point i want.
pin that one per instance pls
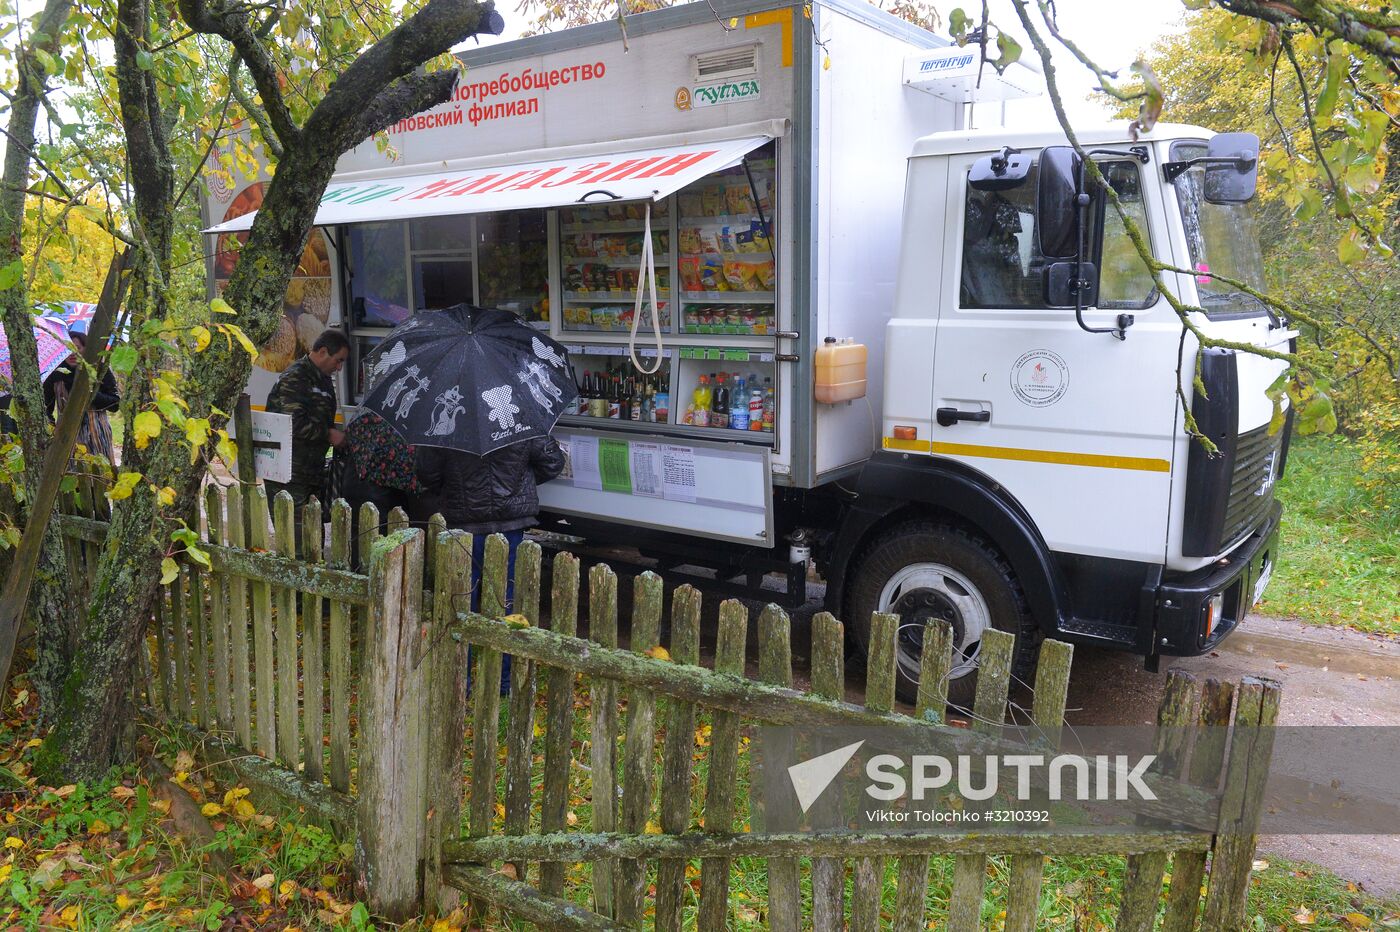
(380, 468)
(95, 432)
(477, 392)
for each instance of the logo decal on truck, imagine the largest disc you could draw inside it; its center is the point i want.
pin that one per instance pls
(1039, 378)
(712, 95)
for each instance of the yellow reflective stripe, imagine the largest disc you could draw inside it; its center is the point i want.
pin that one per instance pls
(1140, 463)
(783, 18)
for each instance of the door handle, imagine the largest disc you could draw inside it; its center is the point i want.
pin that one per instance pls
(947, 417)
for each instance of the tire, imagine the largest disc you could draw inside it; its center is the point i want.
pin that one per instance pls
(925, 571)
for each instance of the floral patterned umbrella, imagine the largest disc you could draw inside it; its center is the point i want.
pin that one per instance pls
(52, 338)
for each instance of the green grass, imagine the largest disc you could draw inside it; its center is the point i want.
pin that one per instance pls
(1339, 548)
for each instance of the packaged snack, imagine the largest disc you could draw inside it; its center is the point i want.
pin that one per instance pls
(712, 276)
(766, 274)
(616, 212)
(735, 272)
(709, 242)
(566, 215)
(743, 241)
(573, 278)
(738, 200)
(692, 205)
(726, 240)
(634, 211)
(690, 273)
(690, 241)
(712, 201)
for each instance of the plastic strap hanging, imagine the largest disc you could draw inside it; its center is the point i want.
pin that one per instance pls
(646, 279)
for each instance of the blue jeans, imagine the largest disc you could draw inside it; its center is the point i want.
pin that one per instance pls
(513, 538)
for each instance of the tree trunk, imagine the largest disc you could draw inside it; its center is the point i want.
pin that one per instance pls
(380, 88)
(55, 627)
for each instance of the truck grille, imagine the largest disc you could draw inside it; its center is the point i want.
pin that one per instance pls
(1257, 461)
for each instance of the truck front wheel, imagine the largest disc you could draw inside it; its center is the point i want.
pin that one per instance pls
(926, 572)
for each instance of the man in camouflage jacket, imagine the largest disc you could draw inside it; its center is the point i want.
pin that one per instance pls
(307, 392)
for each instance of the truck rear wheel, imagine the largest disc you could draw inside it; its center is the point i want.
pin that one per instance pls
(929, 572)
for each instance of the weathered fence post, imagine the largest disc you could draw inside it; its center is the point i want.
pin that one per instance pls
(447, 711)
(390, 847)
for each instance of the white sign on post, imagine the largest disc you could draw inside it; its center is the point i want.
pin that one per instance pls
(272, 445)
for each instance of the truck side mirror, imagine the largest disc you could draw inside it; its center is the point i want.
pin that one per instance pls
(1058, 205)
(1233, 179)
(1066, 281)
(1001, 172)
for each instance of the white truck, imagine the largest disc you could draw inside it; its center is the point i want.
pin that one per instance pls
(1017, 458)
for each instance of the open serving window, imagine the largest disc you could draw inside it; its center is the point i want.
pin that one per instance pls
(560, 242)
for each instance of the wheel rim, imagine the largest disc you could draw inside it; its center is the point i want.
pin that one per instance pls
(924, 592)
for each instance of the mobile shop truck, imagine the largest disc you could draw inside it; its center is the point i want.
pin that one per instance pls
(925, 357)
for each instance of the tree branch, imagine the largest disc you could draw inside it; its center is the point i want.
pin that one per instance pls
(1375, 31)
(430, 32)
(255, 113)
(232, 24)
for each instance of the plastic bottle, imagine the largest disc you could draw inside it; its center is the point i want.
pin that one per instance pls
(769, 405)
(755, 406)
(702, 398)
(739, 405)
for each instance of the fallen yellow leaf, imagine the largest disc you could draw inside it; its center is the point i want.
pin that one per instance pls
(123, 901)
(659, 652)
(1357, 920)
(63, 792)
(122, 792)
(265, 882)
(287, 888)
(99, 827)
(209, 810)
(1304, 917)
(243, 809)
(13, 842)
(517, 620)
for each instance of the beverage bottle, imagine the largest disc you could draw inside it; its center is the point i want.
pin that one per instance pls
(755, 406)
(597, 403)
(614, 399)
(719, 408)
(624, 394)
(769, 405)
(739, 406)
(638, 399)
(702, 398)
(581, 404)
(648, 403)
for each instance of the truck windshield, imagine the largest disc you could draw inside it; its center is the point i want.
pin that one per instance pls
(1222, 239)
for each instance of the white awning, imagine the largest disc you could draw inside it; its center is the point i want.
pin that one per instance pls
(627, 175)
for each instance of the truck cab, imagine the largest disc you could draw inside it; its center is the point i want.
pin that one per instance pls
(1035, 472)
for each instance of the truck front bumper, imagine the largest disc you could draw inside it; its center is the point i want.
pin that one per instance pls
(1184, 602)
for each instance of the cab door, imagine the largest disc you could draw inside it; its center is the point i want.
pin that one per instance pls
(1077, 426)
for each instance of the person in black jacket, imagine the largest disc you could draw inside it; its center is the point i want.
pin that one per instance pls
(95, 432)
(492, 494)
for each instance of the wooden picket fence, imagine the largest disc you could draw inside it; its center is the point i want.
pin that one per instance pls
(455, 798)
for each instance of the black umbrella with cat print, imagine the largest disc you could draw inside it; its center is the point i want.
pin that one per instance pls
(468, 378)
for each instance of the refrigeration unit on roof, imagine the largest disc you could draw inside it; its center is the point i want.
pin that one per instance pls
(952, 73)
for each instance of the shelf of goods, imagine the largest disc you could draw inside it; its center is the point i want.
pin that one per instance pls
(725, 268)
